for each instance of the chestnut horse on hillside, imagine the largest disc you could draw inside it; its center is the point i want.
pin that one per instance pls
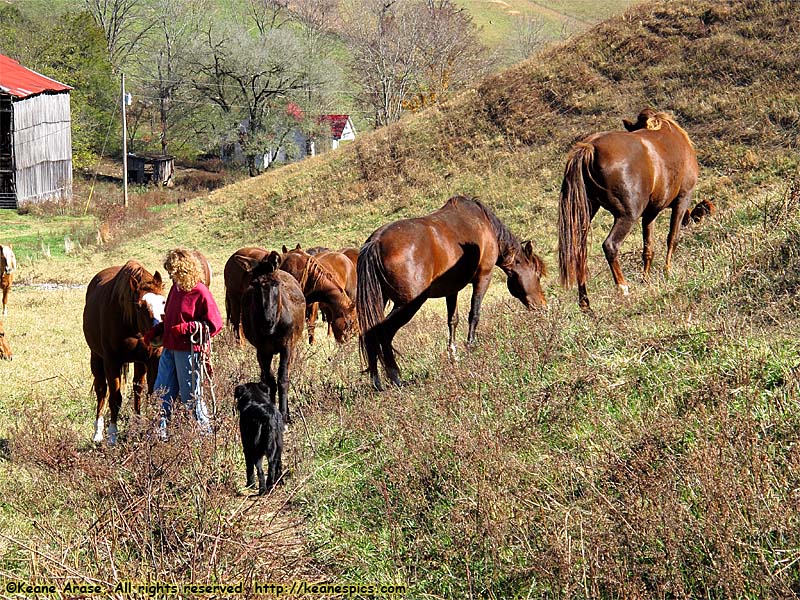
(633, 174)
(273, 306)
(435, 256)
(8, 264)
(343, 269)
(122, 303)
(326, 286)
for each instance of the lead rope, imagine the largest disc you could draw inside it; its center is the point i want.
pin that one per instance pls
(202, 358)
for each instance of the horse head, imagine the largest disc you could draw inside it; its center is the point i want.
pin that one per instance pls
(524, 273)
(647, 119)
(144, 293)
(9, 261)
(5, 348)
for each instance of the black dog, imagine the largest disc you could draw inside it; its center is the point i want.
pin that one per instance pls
(261, 426)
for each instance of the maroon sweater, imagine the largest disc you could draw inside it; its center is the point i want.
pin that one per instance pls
(181, 309)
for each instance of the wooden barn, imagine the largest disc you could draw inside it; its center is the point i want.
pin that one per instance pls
(35, 136)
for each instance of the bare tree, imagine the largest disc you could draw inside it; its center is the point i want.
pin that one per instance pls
(251, 79)
(408, 55)
(529, 35)
(125, 23)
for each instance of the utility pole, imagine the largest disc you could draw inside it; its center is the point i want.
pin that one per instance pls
(124, 146)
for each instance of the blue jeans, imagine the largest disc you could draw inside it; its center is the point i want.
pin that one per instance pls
(178, 374)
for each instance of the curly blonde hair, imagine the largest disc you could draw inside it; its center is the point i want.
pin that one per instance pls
(184, 268)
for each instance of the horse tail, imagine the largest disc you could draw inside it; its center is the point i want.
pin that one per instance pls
(370, 301)
(574, 216)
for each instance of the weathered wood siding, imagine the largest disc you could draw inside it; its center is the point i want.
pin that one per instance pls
(43, 148)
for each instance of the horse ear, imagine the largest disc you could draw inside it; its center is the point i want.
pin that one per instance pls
(274, 260)
(285, 249)
(157, 278)
(297, 247)
(629, 125)
(527, 249)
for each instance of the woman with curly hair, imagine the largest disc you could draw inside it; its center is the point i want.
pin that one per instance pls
(190, 305)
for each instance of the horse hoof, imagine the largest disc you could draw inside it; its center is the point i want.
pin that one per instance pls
(99, 425)
(624, 289)
(112, 434)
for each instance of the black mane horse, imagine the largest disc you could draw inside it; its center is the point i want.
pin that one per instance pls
(633, 174)
(435, 256)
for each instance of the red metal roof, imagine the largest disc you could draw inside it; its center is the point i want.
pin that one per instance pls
(21, 82)
(338, 123)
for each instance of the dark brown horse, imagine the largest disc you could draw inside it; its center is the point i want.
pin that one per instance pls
(122, 303)
(632, 174)
(321, 285)
(273, 306)
(343, 269)
(237, 274)
(435, 256)
(8, 264)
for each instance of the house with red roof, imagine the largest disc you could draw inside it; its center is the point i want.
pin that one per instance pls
(342, 129)
(35, 136)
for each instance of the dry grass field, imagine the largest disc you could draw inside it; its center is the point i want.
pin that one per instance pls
(650, 451)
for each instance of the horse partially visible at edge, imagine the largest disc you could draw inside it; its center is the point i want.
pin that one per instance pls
(5, 347)
(434, 256)
(122, 304)
(633, 174)
(8, 264)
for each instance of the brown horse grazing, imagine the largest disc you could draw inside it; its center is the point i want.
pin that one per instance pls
(8, 264)
(632, 174)
(122, 303)
(5, 347)
(237, 274)
(272, 320)
(343, 270)
(321, 285)
(435, 256)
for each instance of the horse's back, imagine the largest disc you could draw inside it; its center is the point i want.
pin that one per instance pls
(438, 253)
(341, 268)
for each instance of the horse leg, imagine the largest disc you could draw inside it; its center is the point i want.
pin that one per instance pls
(267, 376)
(479, 288)
(6, 290)
(113, 375)
(679, 207)
(452, 324)
(397, 318)
(100, 390)
(647, 246)
(139, 377)
(619, 231)
(283, 384)
(311, 320)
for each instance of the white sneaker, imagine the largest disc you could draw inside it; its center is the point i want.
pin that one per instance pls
(162, 429)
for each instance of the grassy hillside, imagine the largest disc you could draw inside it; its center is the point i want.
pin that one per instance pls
(649, 451)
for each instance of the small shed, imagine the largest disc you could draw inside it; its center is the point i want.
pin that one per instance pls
(151, 168)
(35, 136)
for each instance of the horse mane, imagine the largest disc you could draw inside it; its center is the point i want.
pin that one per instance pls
(319, 271)
(507, 243)
(126, 295)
